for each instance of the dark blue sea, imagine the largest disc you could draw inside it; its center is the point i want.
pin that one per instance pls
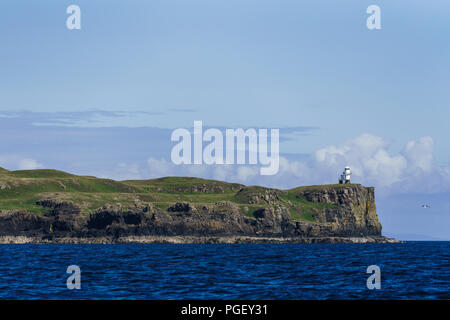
(412, 270)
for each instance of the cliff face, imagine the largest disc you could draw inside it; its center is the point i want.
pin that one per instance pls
(50, 204)
(305, 212)
(354, 213)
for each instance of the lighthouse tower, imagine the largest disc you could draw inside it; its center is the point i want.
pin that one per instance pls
(345, 176)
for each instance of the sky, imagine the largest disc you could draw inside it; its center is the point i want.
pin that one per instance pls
(104, 100)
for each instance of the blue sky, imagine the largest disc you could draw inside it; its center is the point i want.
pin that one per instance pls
(103, 100)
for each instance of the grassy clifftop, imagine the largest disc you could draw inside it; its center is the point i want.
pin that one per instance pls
(22, 190)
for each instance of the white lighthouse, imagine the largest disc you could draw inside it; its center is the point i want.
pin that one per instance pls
(345, 176)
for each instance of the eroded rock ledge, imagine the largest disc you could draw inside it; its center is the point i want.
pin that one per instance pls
(191, 240)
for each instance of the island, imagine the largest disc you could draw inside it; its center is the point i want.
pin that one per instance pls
(50, 206)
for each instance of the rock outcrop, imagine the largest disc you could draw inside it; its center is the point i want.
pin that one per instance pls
(354, 211)
(337, 212)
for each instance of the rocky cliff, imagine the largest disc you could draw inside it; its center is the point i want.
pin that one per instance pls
(353, 212)
(182, 207)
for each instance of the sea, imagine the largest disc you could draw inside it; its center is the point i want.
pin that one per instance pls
(410, 270)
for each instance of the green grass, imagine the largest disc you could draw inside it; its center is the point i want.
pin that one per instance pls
(302, 209)
(163, 205)
(21, 190)
(322, 187)
(40, 173)
(26, 203)
(182, 185)
(251, 210)
(245, 194)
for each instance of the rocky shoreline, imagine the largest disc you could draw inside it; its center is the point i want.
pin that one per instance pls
(192, 240)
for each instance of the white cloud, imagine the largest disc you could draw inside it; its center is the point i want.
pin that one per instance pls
(159, 168)
(246, 173)
(420, 154)
(15, 162)
(29, 164)
(368, 157)
(411, 170)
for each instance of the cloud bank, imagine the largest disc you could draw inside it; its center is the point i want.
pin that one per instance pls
(410, 170)
(55, 140)
(19, 162)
